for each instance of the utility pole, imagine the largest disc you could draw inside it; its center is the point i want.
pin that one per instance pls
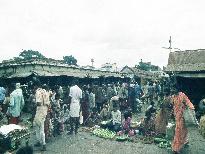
(170, 45)
(92, 61)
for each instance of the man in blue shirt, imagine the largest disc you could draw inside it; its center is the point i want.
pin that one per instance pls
(2, 96)
(16, 105)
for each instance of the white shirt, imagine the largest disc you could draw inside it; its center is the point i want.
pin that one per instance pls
(76, 95)
(42, 97)
(116, 117)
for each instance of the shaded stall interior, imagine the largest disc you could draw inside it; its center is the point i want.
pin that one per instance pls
(63, 80)
(193, 87)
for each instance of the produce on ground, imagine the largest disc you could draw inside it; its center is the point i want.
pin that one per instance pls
(163, 143)
(122, 138)
(104, 133)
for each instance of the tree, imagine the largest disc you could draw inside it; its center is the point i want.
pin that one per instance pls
(147, 66)
(144, 66)
(29, 54)
(70, 60)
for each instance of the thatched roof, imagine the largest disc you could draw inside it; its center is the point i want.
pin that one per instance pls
(186, 61)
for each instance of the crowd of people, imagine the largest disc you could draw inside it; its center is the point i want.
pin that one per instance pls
(58, 109)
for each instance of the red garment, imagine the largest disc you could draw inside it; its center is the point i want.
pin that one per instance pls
(180, 102)
(126, 124)
(163, 117)
(85, 110)
(14, 120)
(47, 125)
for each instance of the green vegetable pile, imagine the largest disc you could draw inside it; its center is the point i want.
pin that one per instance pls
(122, 138)
(104, 133)
(163, 143)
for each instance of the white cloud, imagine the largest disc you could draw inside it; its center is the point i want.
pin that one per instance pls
(122, 31)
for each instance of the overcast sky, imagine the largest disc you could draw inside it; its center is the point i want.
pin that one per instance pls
(121, 31)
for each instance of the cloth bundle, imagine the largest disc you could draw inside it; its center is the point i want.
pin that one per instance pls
(190, 117)
(202, 126)
(170, 131)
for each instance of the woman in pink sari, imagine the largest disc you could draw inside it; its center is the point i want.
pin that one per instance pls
(180, 102)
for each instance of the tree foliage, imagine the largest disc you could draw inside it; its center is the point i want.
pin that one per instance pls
(29, 54)
(144, 66)
(70, 60)
(147, 66)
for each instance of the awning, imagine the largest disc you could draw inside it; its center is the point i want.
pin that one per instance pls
(20, 75)
(189, 75)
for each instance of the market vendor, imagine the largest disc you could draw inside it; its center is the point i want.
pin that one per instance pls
(149, 121)
(126, 124)
(163, 116)
(115, 123)
(94, 118)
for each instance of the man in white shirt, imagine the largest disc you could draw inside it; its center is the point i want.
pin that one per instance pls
(116, 118)
(115, 123)
(75, 96)
(42, 101)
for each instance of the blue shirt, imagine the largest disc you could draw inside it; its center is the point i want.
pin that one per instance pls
(2, 94)
(16, 103)
(138, 90)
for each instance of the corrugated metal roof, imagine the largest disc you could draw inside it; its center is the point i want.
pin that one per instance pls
(20, 75)
(54, 70)
(138, 72)
(60, 73)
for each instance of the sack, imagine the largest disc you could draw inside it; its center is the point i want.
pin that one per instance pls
(189, 117)
(170, 131)
(81, 118)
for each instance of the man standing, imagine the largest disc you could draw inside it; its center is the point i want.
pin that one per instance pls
(75, 96)
(138, 93)
(16, 105)
(42, 102)
(2, 96)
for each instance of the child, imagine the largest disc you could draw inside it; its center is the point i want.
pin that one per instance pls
(126, 124)
(105, 113)
(65, 115)
(57, 124)
(56, 103)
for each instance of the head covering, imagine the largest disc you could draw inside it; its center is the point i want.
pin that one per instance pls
(203, 100)
(18, 85)
(115, 98)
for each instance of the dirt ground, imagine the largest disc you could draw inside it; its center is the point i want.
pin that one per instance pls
(86, 143)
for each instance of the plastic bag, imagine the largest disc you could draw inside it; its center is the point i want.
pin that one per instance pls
(189, 117)
(81, 118)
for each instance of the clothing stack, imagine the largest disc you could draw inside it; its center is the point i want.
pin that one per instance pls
(11, 136)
